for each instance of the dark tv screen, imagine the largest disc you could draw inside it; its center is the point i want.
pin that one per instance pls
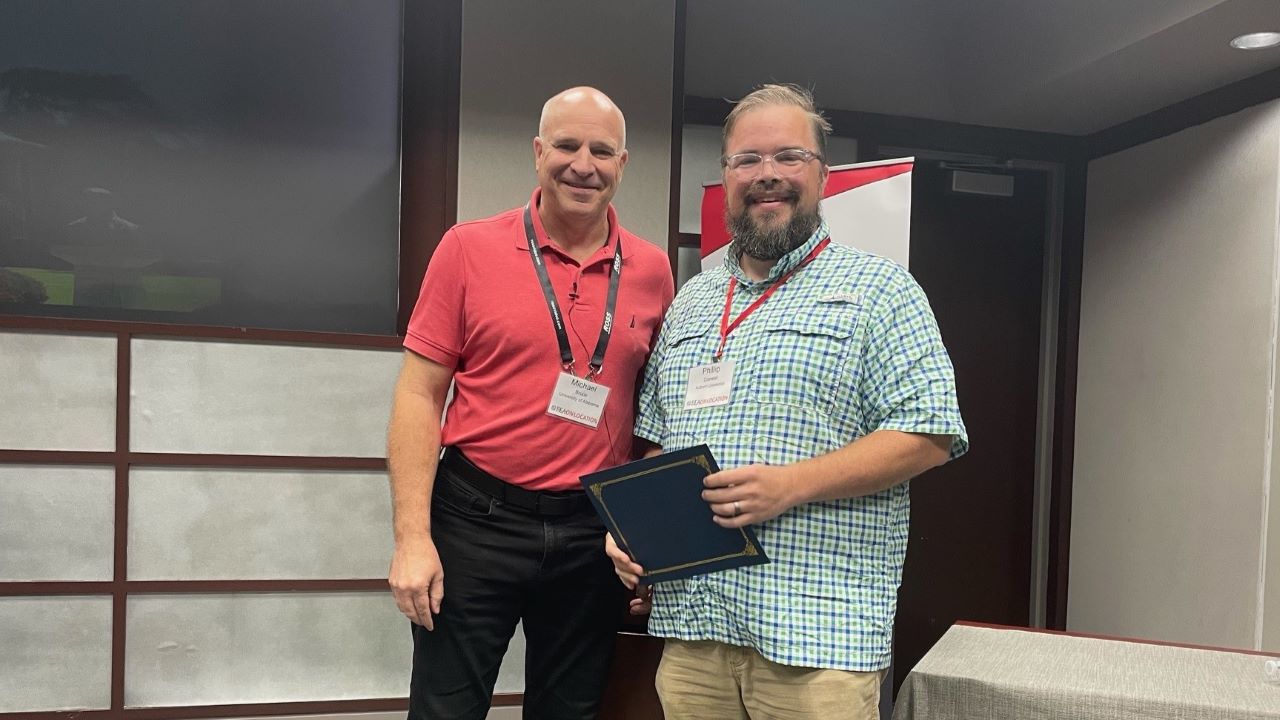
(209, 162)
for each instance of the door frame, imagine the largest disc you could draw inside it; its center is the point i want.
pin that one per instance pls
(1043, 563)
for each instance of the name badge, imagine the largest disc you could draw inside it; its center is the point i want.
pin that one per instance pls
(577, 400)
(709, 385)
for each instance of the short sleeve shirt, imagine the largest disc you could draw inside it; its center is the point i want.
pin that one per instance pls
(482, 313)
(846, 347)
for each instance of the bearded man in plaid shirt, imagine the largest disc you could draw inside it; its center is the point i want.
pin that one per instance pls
(838, 392)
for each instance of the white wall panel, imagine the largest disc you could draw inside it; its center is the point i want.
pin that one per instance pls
(270, 647)
(257, 524)
(56, 522)
(699, 164)
(55, 653)
(58, 392)
(516, 55)
(1175, 368)
(255, 399)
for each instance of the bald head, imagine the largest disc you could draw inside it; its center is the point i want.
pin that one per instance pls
(582, 103)
(579, 155)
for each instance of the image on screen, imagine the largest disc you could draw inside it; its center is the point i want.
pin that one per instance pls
(208, 162)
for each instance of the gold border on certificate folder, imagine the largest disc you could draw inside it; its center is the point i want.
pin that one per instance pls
(598, 489)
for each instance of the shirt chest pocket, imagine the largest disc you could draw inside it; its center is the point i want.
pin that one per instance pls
(803, 358)
(687, 346)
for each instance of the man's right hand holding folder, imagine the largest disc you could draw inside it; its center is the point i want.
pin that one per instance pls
(630, 573)
(736, 498)
(670, 511)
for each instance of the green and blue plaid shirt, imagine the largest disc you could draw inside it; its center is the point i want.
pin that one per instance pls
(846, 347)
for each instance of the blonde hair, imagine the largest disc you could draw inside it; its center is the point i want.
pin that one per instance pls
(779, 94)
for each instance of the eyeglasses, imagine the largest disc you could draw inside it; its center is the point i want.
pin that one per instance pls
(788, 162)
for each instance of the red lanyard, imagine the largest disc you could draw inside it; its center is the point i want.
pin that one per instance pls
(727, 327)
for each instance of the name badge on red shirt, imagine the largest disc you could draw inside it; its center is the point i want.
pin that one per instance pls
(578, 400)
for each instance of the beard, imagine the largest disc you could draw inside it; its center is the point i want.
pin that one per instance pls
(770, 241)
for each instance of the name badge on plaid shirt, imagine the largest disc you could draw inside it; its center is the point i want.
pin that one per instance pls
(709, 385)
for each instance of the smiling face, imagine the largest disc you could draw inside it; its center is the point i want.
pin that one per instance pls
(579, 155)
(772, 210)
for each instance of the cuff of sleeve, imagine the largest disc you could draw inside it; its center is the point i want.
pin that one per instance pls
(932, 425)
(648, 429)
(430, 350)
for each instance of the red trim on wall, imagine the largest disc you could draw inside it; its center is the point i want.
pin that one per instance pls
(203, 332)
(120, 555)
(151, 587)
(195, 712)
(57, 457)
(297, 462)
(195, 460)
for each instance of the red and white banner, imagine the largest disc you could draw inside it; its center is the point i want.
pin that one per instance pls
(866, 205)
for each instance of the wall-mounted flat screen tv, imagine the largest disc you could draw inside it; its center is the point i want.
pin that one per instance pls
(210, 162)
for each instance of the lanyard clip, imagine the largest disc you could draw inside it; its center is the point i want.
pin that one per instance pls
(593, 371)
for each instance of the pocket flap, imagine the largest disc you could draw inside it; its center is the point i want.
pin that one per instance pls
(829, 320)
(687, 331)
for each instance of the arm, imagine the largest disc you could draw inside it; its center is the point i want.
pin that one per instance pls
(413, 449)
(755, 493)
(907, 396)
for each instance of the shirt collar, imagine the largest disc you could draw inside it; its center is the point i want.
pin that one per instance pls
(785, 264)
(544, 241)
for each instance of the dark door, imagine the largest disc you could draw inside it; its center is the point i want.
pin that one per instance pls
(980, 259)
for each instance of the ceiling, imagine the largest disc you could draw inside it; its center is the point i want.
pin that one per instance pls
(1063, 66)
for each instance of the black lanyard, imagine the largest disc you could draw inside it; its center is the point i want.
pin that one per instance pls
(615, 275)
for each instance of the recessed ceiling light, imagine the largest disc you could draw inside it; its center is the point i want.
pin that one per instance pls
(1256, 41)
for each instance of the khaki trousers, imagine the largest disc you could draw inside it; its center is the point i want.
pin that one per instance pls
(706, 680)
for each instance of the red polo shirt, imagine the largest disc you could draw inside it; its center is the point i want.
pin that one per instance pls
(481, 312)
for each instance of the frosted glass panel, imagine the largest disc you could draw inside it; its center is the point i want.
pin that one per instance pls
(56, 653)
(56, 522)
(257, 524)
(511, 674)
(248, 398)
(271, 647)
(58, 392)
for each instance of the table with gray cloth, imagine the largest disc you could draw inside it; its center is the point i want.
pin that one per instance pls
(990, 672)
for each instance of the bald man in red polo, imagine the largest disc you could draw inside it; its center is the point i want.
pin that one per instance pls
(541, 317)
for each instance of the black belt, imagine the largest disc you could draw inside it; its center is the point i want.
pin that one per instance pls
(545, 503)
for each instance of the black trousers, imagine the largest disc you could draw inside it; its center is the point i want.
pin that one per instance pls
(504, 564)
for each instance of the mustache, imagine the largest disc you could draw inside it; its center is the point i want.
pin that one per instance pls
(756, 191)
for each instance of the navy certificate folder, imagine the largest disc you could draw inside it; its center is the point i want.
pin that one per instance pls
(655, 511)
